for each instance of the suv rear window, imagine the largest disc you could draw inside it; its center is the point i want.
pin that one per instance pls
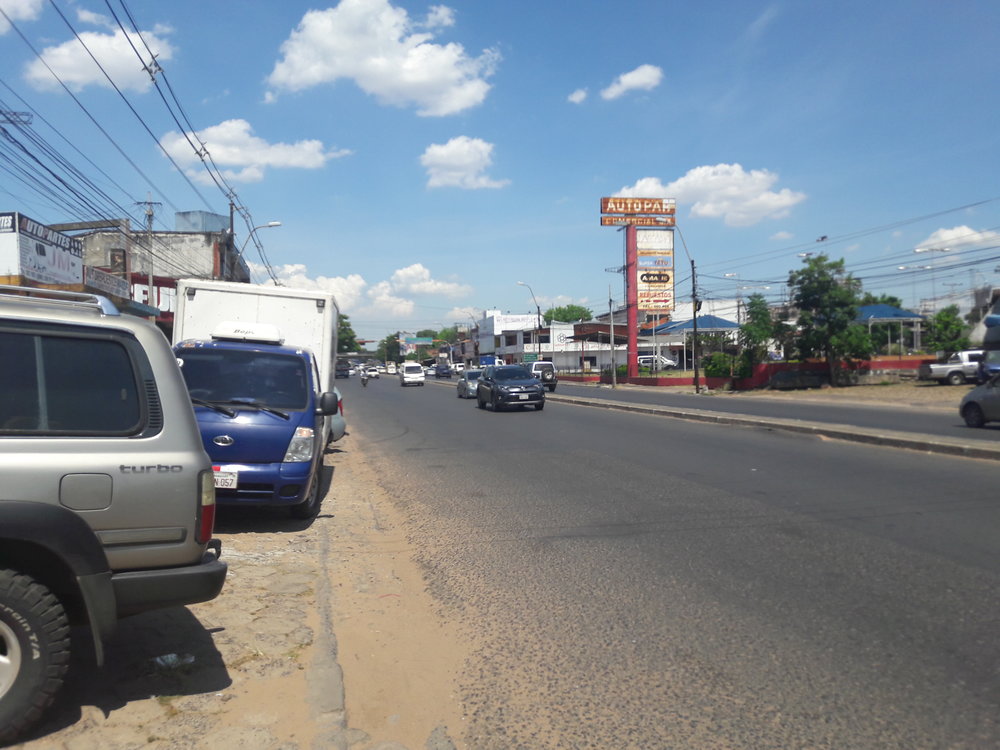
(67, 385)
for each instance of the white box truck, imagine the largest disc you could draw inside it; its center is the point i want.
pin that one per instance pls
(305, 317)
(258, 362)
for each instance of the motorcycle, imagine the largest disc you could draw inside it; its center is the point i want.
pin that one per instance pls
(364, 380)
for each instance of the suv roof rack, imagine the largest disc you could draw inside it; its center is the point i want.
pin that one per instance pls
(61, 297)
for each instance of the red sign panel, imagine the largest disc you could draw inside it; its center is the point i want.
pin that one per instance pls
(656, 206)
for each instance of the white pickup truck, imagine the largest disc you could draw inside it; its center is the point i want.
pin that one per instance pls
(958, 369)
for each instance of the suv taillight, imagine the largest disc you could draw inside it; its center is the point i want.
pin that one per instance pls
(206, 506)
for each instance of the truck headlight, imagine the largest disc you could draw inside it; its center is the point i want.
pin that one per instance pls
(301, 446)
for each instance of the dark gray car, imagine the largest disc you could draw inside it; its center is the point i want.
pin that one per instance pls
(506, 386)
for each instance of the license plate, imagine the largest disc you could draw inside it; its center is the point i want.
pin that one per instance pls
(523, 396)
(225, 480)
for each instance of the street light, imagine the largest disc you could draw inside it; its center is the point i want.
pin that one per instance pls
(261, 226)
(538, 310)
(933, 272)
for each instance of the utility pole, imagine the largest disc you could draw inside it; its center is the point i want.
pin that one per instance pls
(148, 203)
(611, 312)
(694, 325)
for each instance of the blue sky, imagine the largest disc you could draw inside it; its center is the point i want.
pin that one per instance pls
(423, 159)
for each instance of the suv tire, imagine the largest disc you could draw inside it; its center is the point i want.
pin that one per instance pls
(32, 621)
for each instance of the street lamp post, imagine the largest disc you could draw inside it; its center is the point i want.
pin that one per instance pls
(538, 311)
(261, 226)
(933, 270)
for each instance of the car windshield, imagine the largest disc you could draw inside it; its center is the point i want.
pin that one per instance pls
(512, 373)
(473, 374)
(228, 375)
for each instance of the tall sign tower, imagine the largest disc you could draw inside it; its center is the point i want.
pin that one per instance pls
(649, 259)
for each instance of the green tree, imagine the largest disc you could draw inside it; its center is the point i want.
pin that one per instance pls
(347, 340)
(757, 331)
(946, 332)
(826, 297)
(882, 299)
(567, 314)
(388, 348)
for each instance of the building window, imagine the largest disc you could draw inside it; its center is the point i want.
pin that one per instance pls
(510, 339)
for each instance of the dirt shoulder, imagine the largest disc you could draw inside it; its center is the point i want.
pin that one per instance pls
(323, 637)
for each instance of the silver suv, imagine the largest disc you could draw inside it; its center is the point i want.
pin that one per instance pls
(544, 371)
(107, 502)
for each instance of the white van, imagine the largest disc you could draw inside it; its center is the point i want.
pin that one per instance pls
(411, 373)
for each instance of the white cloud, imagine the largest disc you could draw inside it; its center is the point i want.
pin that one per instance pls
(385, 303)
(94, 19)
(460, 163)
(724, 191)
(349, 290)
(643, 78)
(242, 156)
(578, 96)
(19, 10)
(387, 55)
(960, 237)
(416, 279)
(74, 66)
(782, 235)
(389, 299)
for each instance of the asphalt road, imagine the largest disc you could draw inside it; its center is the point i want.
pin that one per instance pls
(641, 582)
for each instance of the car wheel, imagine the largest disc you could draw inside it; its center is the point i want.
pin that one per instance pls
(956, 378)
(552, 388)
(309, 508)
(973, 415)
(539, 406)
(34, 651)
(479, 402)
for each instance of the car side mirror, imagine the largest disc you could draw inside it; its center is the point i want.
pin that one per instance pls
(329, 402)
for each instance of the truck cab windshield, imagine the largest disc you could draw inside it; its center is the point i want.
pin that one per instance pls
(235, 377)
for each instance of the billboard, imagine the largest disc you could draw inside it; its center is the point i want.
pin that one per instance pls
(34, 251)
(654, 269)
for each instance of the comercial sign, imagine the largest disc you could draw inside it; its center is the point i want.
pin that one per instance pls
(654, 269)
(638, 221)
(36, 252)
(648, 206)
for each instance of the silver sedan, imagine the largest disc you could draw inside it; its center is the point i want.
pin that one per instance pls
(467, 383)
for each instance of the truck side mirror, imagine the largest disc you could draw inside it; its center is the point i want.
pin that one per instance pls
(328, 403)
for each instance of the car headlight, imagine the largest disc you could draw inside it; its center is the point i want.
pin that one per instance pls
(301, 446)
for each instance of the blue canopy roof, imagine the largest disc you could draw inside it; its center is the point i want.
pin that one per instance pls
(884, 314)
(706, 324)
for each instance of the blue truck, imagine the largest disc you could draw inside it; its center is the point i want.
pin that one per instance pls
(258, 363)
